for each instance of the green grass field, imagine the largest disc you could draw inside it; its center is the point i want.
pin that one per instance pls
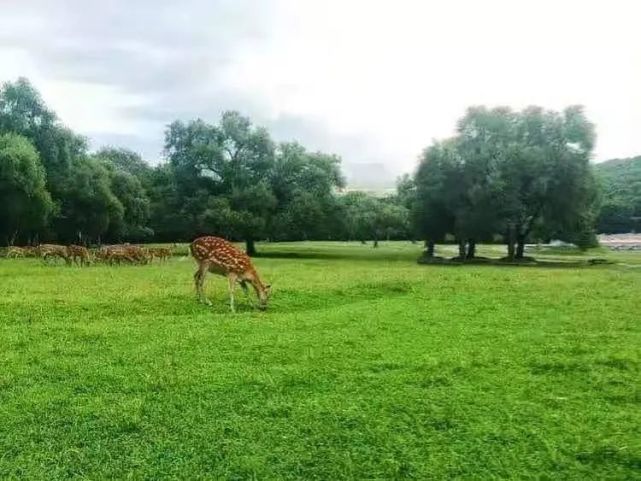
(366, 366)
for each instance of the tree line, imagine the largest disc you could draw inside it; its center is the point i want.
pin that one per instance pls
(505, 176)
(228, 178)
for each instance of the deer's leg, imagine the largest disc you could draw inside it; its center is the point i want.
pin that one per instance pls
(232, 278)
(243, 285)
(199, 281)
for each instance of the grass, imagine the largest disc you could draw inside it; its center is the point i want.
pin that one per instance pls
(366, 366)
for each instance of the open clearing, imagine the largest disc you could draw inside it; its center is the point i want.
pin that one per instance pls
(366, 366)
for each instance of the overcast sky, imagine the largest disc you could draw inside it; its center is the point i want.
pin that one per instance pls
(373, 81)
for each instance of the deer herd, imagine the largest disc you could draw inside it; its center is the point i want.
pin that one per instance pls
(80, 255)
(212, 254)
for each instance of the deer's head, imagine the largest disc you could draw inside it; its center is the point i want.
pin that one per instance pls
(263, 296)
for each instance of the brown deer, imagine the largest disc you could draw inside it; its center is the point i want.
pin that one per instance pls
(78, 254)
(16, 252)
(31, 251)
(116, 253)
(219, 256)
(161, 253)
(53, 250)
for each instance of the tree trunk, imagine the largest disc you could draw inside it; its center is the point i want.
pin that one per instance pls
(520, 246)
(510, 248)
(509, 241)
(250, 247)
(375, 242)
(471, 249)
(461, 249)
(430, 248)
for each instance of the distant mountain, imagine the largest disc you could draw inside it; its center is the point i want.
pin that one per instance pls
(621, 182)
(369, 176)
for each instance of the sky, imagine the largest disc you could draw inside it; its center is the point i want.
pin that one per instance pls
(374, 81)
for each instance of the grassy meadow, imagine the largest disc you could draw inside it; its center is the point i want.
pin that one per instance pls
(366, 366)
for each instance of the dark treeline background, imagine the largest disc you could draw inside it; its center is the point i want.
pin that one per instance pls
(505, 176)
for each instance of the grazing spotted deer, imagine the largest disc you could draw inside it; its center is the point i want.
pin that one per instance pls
(31, 251)
(219, 256)
(53, 250)
(161, 253)
(16, 252)
(78, 254)
(139, 254)
(116, 253)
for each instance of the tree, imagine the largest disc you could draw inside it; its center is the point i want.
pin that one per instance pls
(391, 220)
(232, 160)
(130, 193)
(511, 172)
(453, 196)
(358, 212)
(167, 213)
(89, 206)
(548, 181)
(23, 112)
(433, 212)
(25, 204)
(366, 217)
(303, 184)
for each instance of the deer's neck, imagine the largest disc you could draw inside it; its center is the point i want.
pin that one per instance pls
(257, 284)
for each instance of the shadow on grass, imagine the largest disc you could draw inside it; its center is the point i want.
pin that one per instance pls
(527, 262)
(371, 256)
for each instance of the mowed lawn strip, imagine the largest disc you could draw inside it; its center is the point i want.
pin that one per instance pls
(366, 366)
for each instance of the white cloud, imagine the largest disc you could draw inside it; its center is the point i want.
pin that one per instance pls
(378, 80)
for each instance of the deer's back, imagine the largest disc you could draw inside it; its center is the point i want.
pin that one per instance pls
(53, 249)
(220, 254)
(76, 250)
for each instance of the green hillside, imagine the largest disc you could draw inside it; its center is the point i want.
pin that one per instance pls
(621, 181)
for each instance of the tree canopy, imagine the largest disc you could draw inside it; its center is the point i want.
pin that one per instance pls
(519, 174)
(513, 173)
(620, 180)
(25, 203)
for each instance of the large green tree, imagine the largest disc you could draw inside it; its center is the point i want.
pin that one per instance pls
(515, 173)
(436, 190)
(89, 207)
(547, 179)
(304, 185)
(25, 204)
(232, 160)
(22, 111)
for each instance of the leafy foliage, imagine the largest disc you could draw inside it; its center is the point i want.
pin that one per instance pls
(519, 174)
(621, 183)
(516, 173)
(25, 203)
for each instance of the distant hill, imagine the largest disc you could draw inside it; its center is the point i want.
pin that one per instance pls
(621, 181)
